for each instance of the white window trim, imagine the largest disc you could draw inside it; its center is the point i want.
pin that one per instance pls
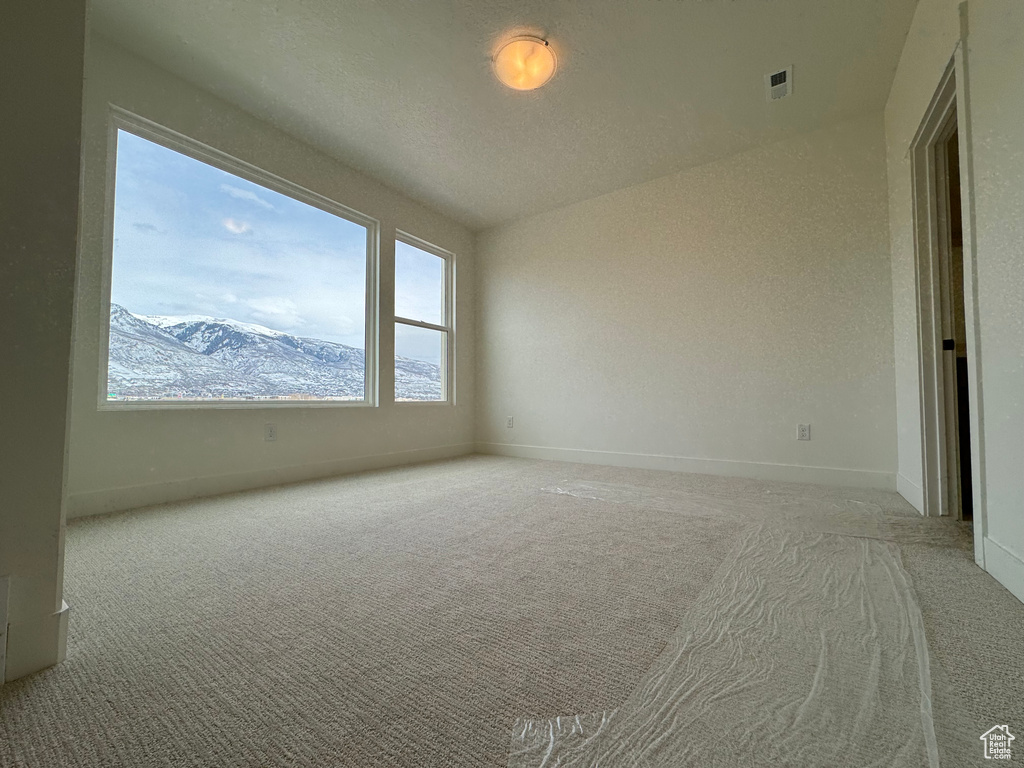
(165, 137)
(448, 369)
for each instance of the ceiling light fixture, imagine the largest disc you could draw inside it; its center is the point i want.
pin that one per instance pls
(524, 63)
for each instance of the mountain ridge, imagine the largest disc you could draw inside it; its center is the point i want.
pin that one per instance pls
(195, 357)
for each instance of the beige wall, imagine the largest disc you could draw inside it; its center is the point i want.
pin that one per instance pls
(129, 458)
(995, 88)
(995, 54)
(693, 321)
(993, 128)
(41, 55)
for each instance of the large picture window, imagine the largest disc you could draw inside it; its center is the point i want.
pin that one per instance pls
(228, 285)
(423, 321)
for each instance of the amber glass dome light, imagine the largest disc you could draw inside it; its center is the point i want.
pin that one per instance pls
(524, 63)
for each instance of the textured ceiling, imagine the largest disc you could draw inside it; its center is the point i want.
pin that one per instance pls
(403, 90)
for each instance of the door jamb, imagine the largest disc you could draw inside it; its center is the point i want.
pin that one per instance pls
(950, 97)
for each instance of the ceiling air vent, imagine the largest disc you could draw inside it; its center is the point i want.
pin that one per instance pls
(779, 84)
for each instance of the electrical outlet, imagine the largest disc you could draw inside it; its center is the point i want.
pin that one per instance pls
(510, 423)
(803, 431)
(269, 432)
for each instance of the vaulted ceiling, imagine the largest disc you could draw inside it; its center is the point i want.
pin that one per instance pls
(403, 89)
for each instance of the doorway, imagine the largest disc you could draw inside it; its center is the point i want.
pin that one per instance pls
(955, 377)
(948, 353)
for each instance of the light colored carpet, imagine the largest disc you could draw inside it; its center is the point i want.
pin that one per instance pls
(411, 617)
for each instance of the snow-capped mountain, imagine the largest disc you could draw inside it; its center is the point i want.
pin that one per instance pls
(191, 357)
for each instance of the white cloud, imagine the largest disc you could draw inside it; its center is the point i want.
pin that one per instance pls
(245, 194)
(235, 226)
(276, 312)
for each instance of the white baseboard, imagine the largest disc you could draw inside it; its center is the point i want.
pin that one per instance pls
(860, 478)
(1005, 567)
(35, 645)
(130, 497)
(910, 491)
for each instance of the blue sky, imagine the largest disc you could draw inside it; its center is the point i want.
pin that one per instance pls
(193, 239)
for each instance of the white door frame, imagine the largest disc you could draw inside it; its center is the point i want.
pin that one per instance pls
(950, 98)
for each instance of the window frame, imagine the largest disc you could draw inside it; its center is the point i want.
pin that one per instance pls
(448, 329)
(121, 119)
